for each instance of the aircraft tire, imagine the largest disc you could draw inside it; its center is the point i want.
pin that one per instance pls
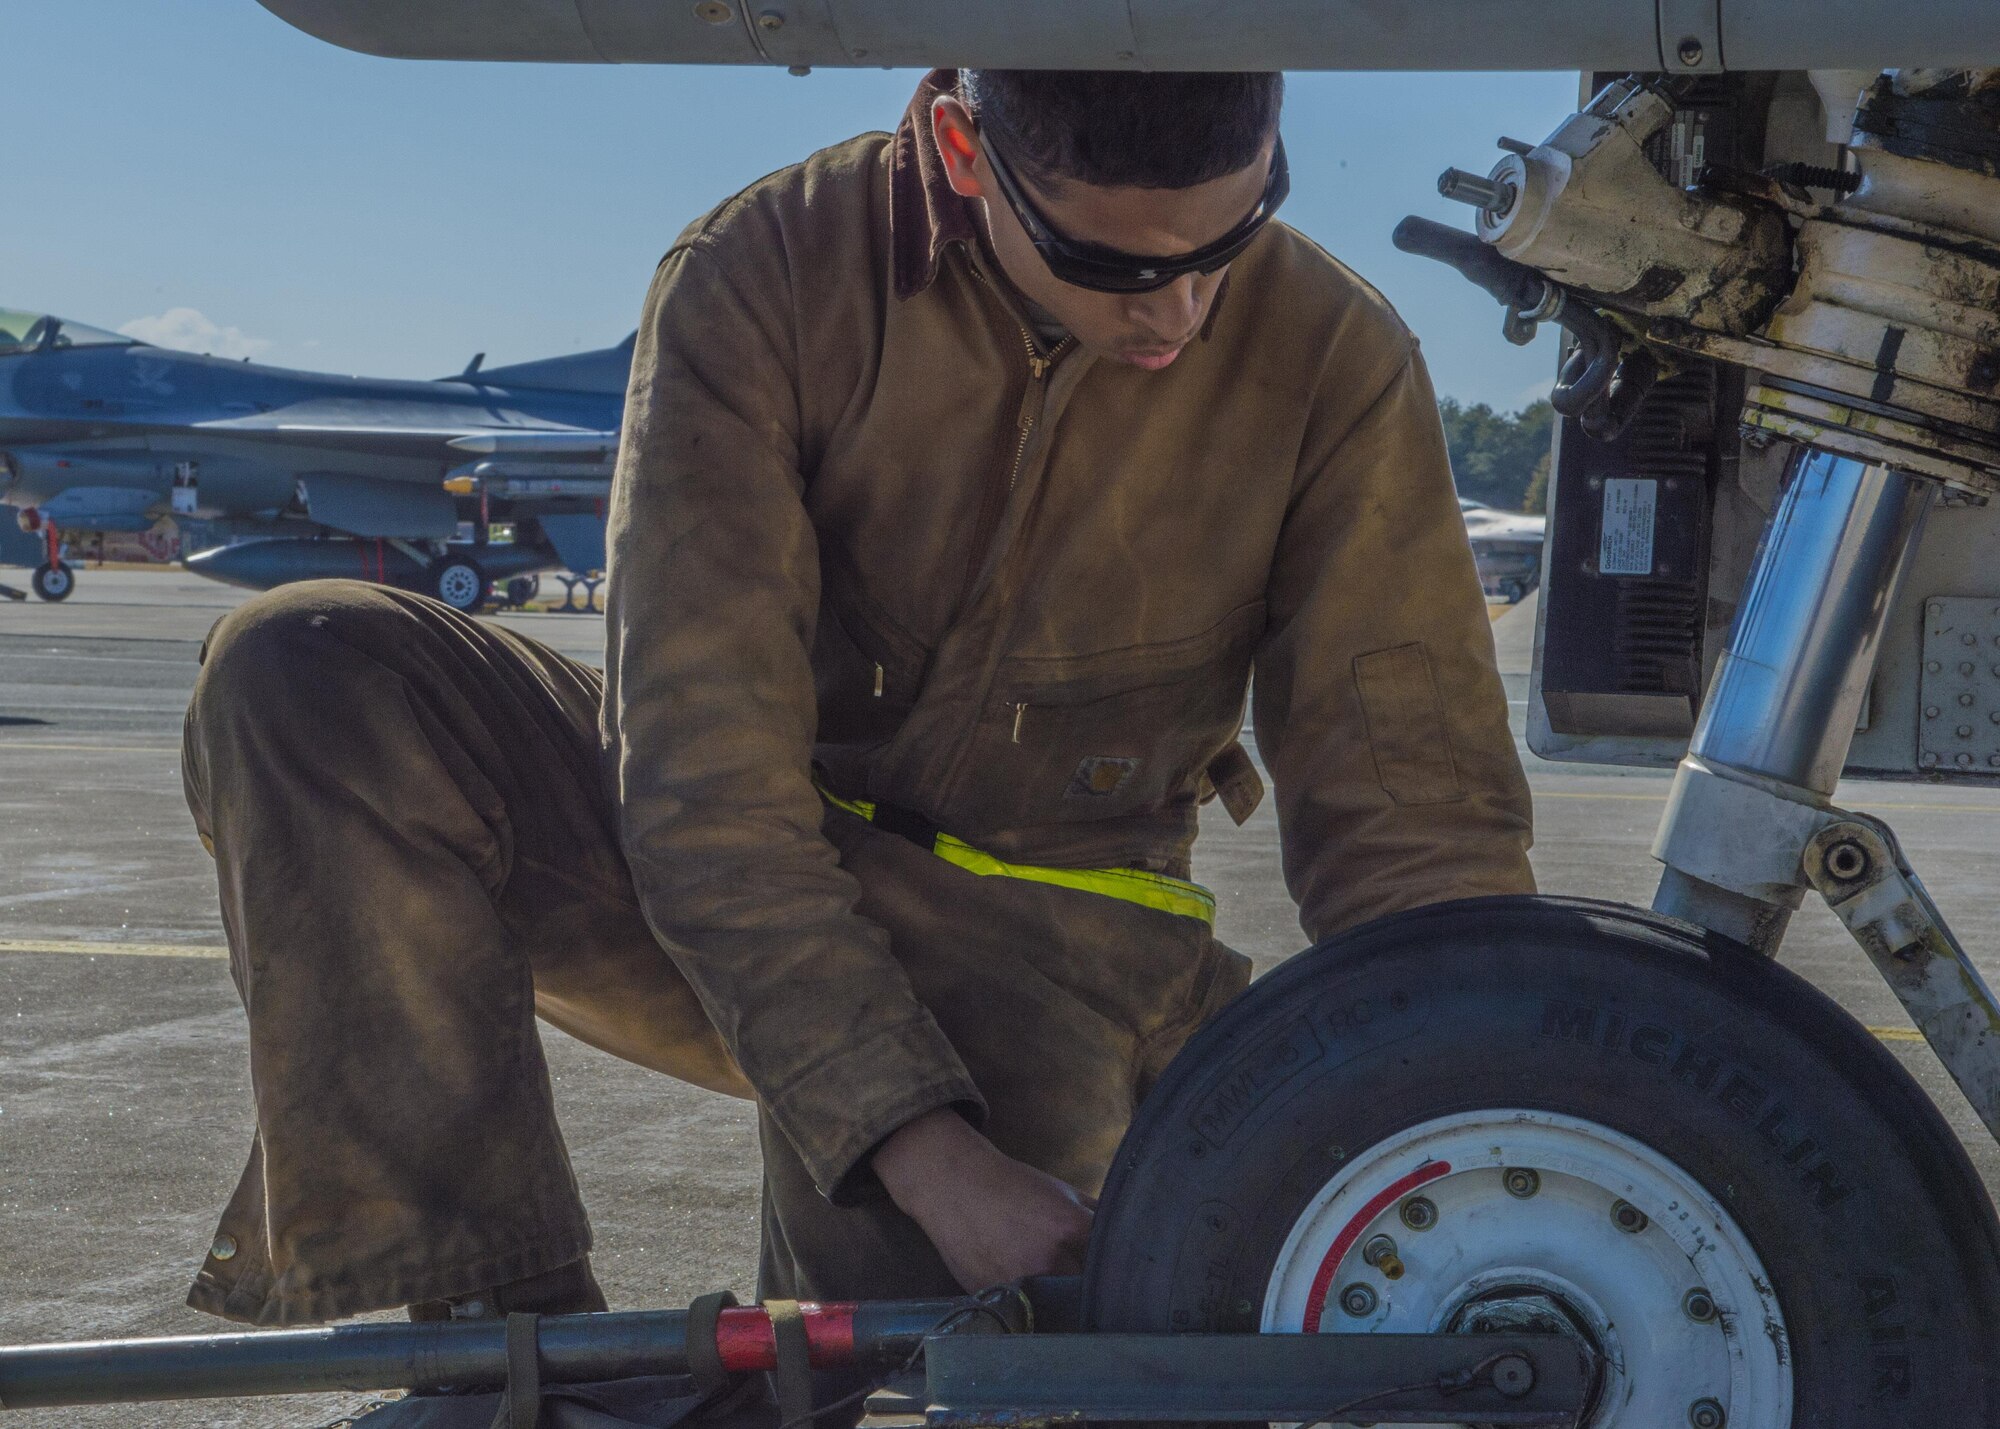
(522, 589)
(1575, 1118)
(459, 583)
(53, 582)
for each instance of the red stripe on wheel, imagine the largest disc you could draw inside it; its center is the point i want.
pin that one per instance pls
(1351, 1232)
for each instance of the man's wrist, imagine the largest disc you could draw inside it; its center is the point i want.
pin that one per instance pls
(916, 1154)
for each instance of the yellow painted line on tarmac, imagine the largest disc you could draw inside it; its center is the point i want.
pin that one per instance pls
(1863, 807)
(198, 950)
(113, 950)
(6, 743)
(1635, 798)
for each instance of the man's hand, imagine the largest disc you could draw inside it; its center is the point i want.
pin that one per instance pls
(992, 1218)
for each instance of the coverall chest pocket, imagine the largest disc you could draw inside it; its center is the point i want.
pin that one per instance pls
(866, 670)
(1096, 736)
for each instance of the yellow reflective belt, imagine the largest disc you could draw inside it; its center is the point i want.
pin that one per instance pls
(1148, 890)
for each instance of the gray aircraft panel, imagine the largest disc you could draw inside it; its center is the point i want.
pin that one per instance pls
(368, 506)
(1175, 34)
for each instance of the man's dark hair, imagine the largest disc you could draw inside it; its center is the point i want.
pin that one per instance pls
(1124, 128)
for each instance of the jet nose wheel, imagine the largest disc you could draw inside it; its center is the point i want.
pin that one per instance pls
(459, 583)
(1572, 1119)
(53, 582)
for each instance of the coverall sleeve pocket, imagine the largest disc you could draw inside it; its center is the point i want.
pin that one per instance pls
(1407, 732)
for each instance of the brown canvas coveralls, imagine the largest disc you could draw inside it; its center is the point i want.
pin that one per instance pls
(861, 521)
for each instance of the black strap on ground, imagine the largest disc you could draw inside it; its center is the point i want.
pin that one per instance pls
(793, 1376)
(704, 1358)
(521, 1405)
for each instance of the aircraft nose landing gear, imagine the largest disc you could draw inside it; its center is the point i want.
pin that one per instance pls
(1568, 1119)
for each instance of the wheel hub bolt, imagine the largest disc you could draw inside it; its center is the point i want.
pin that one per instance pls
(1358, 1300)
(1380, 1252)
(1698, 1305)
(1521, 1182)
(1628, 1217)
(1706, 1414)
(1847, 860)
(1420, 1213)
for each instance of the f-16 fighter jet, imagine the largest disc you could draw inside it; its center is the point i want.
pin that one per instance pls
(344, 476)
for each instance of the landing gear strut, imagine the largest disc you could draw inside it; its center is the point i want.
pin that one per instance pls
(53, 579)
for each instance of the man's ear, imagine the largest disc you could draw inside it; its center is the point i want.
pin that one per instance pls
(957, 140)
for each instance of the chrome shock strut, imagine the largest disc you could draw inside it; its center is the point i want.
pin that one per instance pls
(1751, 822)
(1782, 708)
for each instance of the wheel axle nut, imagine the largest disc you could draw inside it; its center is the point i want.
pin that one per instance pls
(1420, 1213)
(1699, 1305)
(1358, 1300)
(1513, 1376)
(1628, 1217)
(1521, 1182)
(1380, 1252)
(1706, 1414)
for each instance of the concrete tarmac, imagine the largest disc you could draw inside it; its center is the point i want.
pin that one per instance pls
(124, 1094)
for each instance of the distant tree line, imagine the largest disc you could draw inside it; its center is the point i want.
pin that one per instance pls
(1499, 458)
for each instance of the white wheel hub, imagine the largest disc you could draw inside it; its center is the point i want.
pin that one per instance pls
(56, 581)
(458, 586)
(1507, 1221)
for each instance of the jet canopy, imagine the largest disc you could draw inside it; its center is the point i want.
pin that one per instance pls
(25, 332)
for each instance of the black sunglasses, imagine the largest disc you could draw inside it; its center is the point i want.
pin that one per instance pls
(1110, 270)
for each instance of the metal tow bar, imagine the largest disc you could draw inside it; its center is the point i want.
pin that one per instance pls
(980, 1365)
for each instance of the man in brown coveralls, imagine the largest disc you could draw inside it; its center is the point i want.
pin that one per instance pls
(957, 503)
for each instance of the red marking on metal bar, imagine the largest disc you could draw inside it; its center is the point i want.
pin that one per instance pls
(54, 539)
(1351, 1232)
(743, 1338)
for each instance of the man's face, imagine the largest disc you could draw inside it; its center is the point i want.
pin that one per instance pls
(1147, 330)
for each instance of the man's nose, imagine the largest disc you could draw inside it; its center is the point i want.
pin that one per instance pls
(1171, 312)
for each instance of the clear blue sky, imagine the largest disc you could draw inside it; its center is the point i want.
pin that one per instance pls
(329, 210)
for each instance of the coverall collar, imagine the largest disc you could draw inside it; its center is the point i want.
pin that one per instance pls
(925, 216)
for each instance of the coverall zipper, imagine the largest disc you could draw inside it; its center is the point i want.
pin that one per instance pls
(1031, 400)
(1030, 414)
(994, 506)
